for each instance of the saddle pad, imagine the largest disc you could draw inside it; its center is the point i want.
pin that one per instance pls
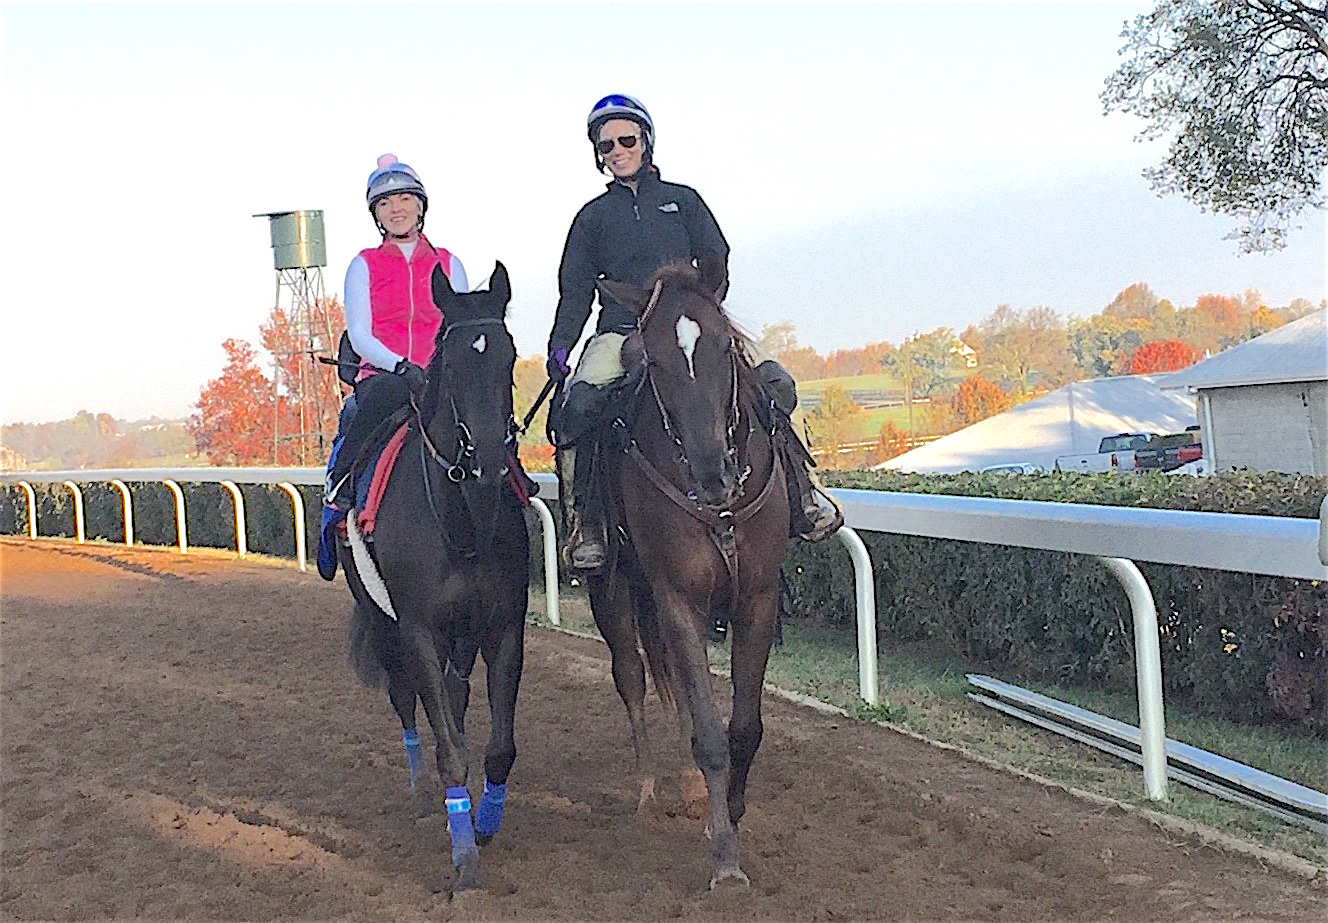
(368, 517)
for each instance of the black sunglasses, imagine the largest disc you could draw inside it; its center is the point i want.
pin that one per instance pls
(627, 141)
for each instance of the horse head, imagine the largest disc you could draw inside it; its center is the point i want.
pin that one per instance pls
(691, 354)
(469, 399)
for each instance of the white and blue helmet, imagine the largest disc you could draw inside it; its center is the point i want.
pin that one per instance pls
(619, 106)
(392, 176)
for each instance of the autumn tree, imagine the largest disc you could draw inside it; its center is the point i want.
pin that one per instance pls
(976, 399)
(1240, 87)
(308, 387)
(802, 362)
(1135, 301)
(924, 363)
(891, 441)
(235, 420)
(1101, 344)
(1162, 356)
(1025, 347)
(835, 418)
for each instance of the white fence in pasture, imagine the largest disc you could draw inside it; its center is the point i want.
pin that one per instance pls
(1117, 536)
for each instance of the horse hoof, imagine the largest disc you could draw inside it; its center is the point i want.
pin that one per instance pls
(730, 878)
(468, 872)
(484, 839)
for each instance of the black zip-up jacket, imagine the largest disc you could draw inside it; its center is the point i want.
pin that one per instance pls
(627, 237)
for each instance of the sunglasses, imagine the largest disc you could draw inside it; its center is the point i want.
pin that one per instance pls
(627, 141)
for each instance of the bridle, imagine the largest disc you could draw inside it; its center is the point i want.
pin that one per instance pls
(734, 415)
(462, 465)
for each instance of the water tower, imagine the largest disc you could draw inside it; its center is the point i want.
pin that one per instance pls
(299, 255)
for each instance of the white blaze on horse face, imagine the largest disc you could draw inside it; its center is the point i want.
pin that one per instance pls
(689, 331)
(479, 344)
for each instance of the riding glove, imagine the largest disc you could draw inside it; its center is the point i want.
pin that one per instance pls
(413, 374)
(557, 365)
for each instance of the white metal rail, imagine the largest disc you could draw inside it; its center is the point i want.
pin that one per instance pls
(1117, 536)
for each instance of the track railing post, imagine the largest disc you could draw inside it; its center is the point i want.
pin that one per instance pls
(1148, 675)
(549, 534)
(32, 508)
(865, 587)
(241, 540)
(297, 512)
(181, 530)
(79, 531)
(128, 512)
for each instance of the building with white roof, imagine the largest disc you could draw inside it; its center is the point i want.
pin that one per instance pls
(1264, 404)
(1069, 421)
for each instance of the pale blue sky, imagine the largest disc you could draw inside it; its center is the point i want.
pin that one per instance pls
(877, 168)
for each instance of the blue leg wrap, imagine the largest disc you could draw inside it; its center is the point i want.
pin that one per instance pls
(410, 739)
(459, 823)
(490, 815)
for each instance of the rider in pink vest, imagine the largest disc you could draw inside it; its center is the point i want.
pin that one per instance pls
(391, 319)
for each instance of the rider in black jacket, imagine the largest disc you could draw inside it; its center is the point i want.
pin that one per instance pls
(638, 225)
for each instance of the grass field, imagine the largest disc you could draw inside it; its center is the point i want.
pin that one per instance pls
(924, 691)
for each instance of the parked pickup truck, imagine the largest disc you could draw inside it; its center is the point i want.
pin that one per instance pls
(1114, 453)
(1170, 451)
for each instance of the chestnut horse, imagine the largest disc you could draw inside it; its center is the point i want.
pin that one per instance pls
(696, 485)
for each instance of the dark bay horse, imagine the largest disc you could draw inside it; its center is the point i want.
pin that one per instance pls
(699, 487)
(452, 568)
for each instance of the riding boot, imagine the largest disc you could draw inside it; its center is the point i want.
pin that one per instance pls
(813, 513)
(587, 545)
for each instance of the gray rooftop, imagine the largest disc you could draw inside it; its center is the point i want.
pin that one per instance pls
(1297, 351)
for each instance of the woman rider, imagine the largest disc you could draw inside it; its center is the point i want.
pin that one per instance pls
(390, 315)
(626, 234)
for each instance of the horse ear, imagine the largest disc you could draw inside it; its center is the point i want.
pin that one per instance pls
(442, 287)
(628, 295)
(499, 283)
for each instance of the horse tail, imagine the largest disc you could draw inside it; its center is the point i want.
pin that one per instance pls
(373, 644)
(652, 642)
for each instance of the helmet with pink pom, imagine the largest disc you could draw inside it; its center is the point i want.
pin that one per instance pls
(392, 176)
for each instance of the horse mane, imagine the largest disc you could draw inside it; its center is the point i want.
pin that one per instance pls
(688, 278)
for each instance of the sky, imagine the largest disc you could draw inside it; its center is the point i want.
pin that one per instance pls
(879, 169)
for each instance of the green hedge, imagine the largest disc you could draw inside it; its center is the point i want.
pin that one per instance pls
(1241, 646)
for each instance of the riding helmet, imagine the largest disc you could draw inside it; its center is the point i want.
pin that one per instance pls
(392, 176)
(619, 106)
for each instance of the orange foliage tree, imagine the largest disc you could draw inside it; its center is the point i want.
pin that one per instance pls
(1162, 356)
(976, 399)
(234, 423)
(309, 391)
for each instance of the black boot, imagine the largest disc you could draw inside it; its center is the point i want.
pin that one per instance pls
(588, 545)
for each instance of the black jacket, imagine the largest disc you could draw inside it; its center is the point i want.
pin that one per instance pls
(627, 237)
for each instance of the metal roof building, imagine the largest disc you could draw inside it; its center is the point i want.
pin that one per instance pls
(1264, 404)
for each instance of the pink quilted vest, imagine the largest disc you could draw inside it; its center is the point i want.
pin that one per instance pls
(405, 319)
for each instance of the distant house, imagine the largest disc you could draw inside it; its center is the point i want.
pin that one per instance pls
(966, 354)
(1264, 404)
(11, 460)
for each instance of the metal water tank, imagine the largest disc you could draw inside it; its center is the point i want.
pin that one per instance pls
(297, 239)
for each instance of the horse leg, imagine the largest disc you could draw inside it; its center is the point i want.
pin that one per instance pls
(456, 677)
(682, 620)
(425, 661)
(611, 603)
(503, 656)
(753, 633)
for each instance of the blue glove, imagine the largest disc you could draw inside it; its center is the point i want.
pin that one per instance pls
(557, 365)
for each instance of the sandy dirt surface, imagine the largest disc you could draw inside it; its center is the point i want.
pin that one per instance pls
(183, 740)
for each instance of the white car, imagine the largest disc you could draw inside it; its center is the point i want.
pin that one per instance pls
(1012, 468)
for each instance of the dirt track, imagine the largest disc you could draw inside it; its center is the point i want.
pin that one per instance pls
(183, 740)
